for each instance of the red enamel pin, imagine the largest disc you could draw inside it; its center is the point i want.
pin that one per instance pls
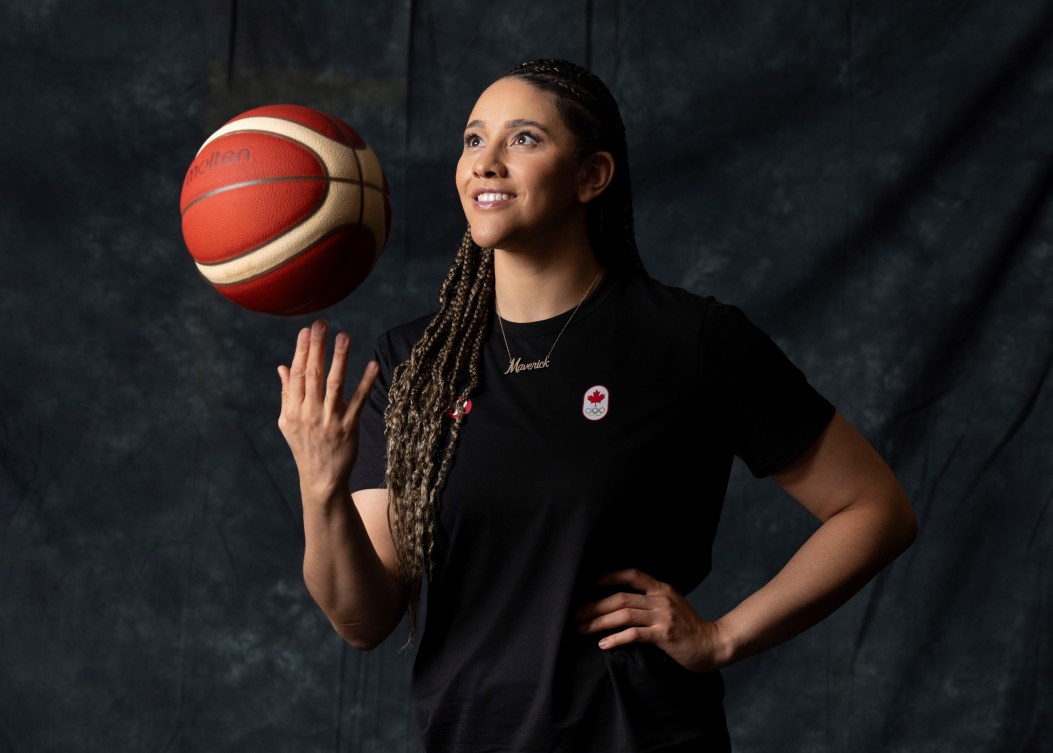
(461, 407)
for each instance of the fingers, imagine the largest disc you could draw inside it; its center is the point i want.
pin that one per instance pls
(642, 617)
(631, 577)
(612, 603)
(314, 374)
(636, 614)
(632, 635)
(303, 380)
(638, 579)
(365, 384)
(334, 386)
(661, 616)
(594, 616)
(299, 364)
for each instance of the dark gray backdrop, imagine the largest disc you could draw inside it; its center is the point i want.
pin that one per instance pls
(870, 181)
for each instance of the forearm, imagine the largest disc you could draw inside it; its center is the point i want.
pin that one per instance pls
(343, 572)
(834, 563)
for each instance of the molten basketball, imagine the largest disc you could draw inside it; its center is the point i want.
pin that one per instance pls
(285, 209)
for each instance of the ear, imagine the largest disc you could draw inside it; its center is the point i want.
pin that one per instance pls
(594, 176)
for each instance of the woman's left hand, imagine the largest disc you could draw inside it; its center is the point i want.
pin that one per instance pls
(660, 616)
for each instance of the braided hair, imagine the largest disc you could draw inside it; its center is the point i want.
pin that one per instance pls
(444, 366)
(590, 112)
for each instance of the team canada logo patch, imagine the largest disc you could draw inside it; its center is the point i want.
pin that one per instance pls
(596, 403)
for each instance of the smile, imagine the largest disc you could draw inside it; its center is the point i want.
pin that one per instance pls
(490, 197)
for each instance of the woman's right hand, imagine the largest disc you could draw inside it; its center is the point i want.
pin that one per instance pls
(322, 431)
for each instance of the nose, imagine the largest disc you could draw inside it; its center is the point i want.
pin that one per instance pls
(488, 164)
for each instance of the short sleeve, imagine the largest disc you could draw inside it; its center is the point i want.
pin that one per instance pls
(369, 470)
(761, 402)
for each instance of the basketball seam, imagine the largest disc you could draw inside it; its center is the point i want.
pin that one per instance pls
(318, 205)
(327, 177)
(361, 198)
(354, 150)
(218, 265)
(378, 244)
(358, 225)
(257, 181)
(325, 169)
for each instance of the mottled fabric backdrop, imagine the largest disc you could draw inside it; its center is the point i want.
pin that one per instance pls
(871, 182)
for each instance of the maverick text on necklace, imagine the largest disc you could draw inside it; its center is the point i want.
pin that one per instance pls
(516, 365)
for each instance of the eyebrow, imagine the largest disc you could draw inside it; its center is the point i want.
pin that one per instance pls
(517, 123)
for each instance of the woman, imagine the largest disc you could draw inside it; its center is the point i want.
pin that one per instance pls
(552, 448)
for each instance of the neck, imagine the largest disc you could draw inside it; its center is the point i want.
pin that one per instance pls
(533, 289)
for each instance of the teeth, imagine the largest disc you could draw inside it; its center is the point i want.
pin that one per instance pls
(493, 197)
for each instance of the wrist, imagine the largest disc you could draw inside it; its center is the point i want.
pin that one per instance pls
(729, 642)
(323, 492)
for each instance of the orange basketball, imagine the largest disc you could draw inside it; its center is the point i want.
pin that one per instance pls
(285, 209)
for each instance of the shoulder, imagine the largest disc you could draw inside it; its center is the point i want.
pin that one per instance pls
(644, 296)
(715, 318)
(728, 336)
(649, 290)
(720, 333)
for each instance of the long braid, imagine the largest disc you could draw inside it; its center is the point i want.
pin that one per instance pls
(423, 388)
(592, 114)
(445, 364)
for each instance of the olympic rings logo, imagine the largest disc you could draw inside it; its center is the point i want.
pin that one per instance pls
(595, 402)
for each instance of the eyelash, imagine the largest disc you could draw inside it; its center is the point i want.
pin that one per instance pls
(470, 137)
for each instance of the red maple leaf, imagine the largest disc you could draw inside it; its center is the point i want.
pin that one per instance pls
(596, 397)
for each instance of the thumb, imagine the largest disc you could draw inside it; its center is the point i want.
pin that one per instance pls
(283, 375)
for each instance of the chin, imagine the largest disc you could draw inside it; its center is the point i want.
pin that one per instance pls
(487, 238)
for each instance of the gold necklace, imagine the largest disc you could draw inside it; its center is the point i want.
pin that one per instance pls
(516, 365)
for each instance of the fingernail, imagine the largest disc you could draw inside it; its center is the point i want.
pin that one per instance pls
(341, 340)
(317, 326)
(304, 334)
(604, 643)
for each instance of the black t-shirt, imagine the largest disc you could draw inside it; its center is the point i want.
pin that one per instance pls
(616, 456)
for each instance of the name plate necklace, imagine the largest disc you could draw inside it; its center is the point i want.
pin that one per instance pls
(516, 365)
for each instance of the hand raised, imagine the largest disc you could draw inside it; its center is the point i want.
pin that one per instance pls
(322, 431)
(660, 616)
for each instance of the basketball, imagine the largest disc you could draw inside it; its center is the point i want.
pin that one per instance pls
(285, 209)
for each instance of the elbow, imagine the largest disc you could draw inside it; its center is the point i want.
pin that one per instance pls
(364, 635)
(903, 529)
(355, 637)
(911, 534)
(359, 643)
